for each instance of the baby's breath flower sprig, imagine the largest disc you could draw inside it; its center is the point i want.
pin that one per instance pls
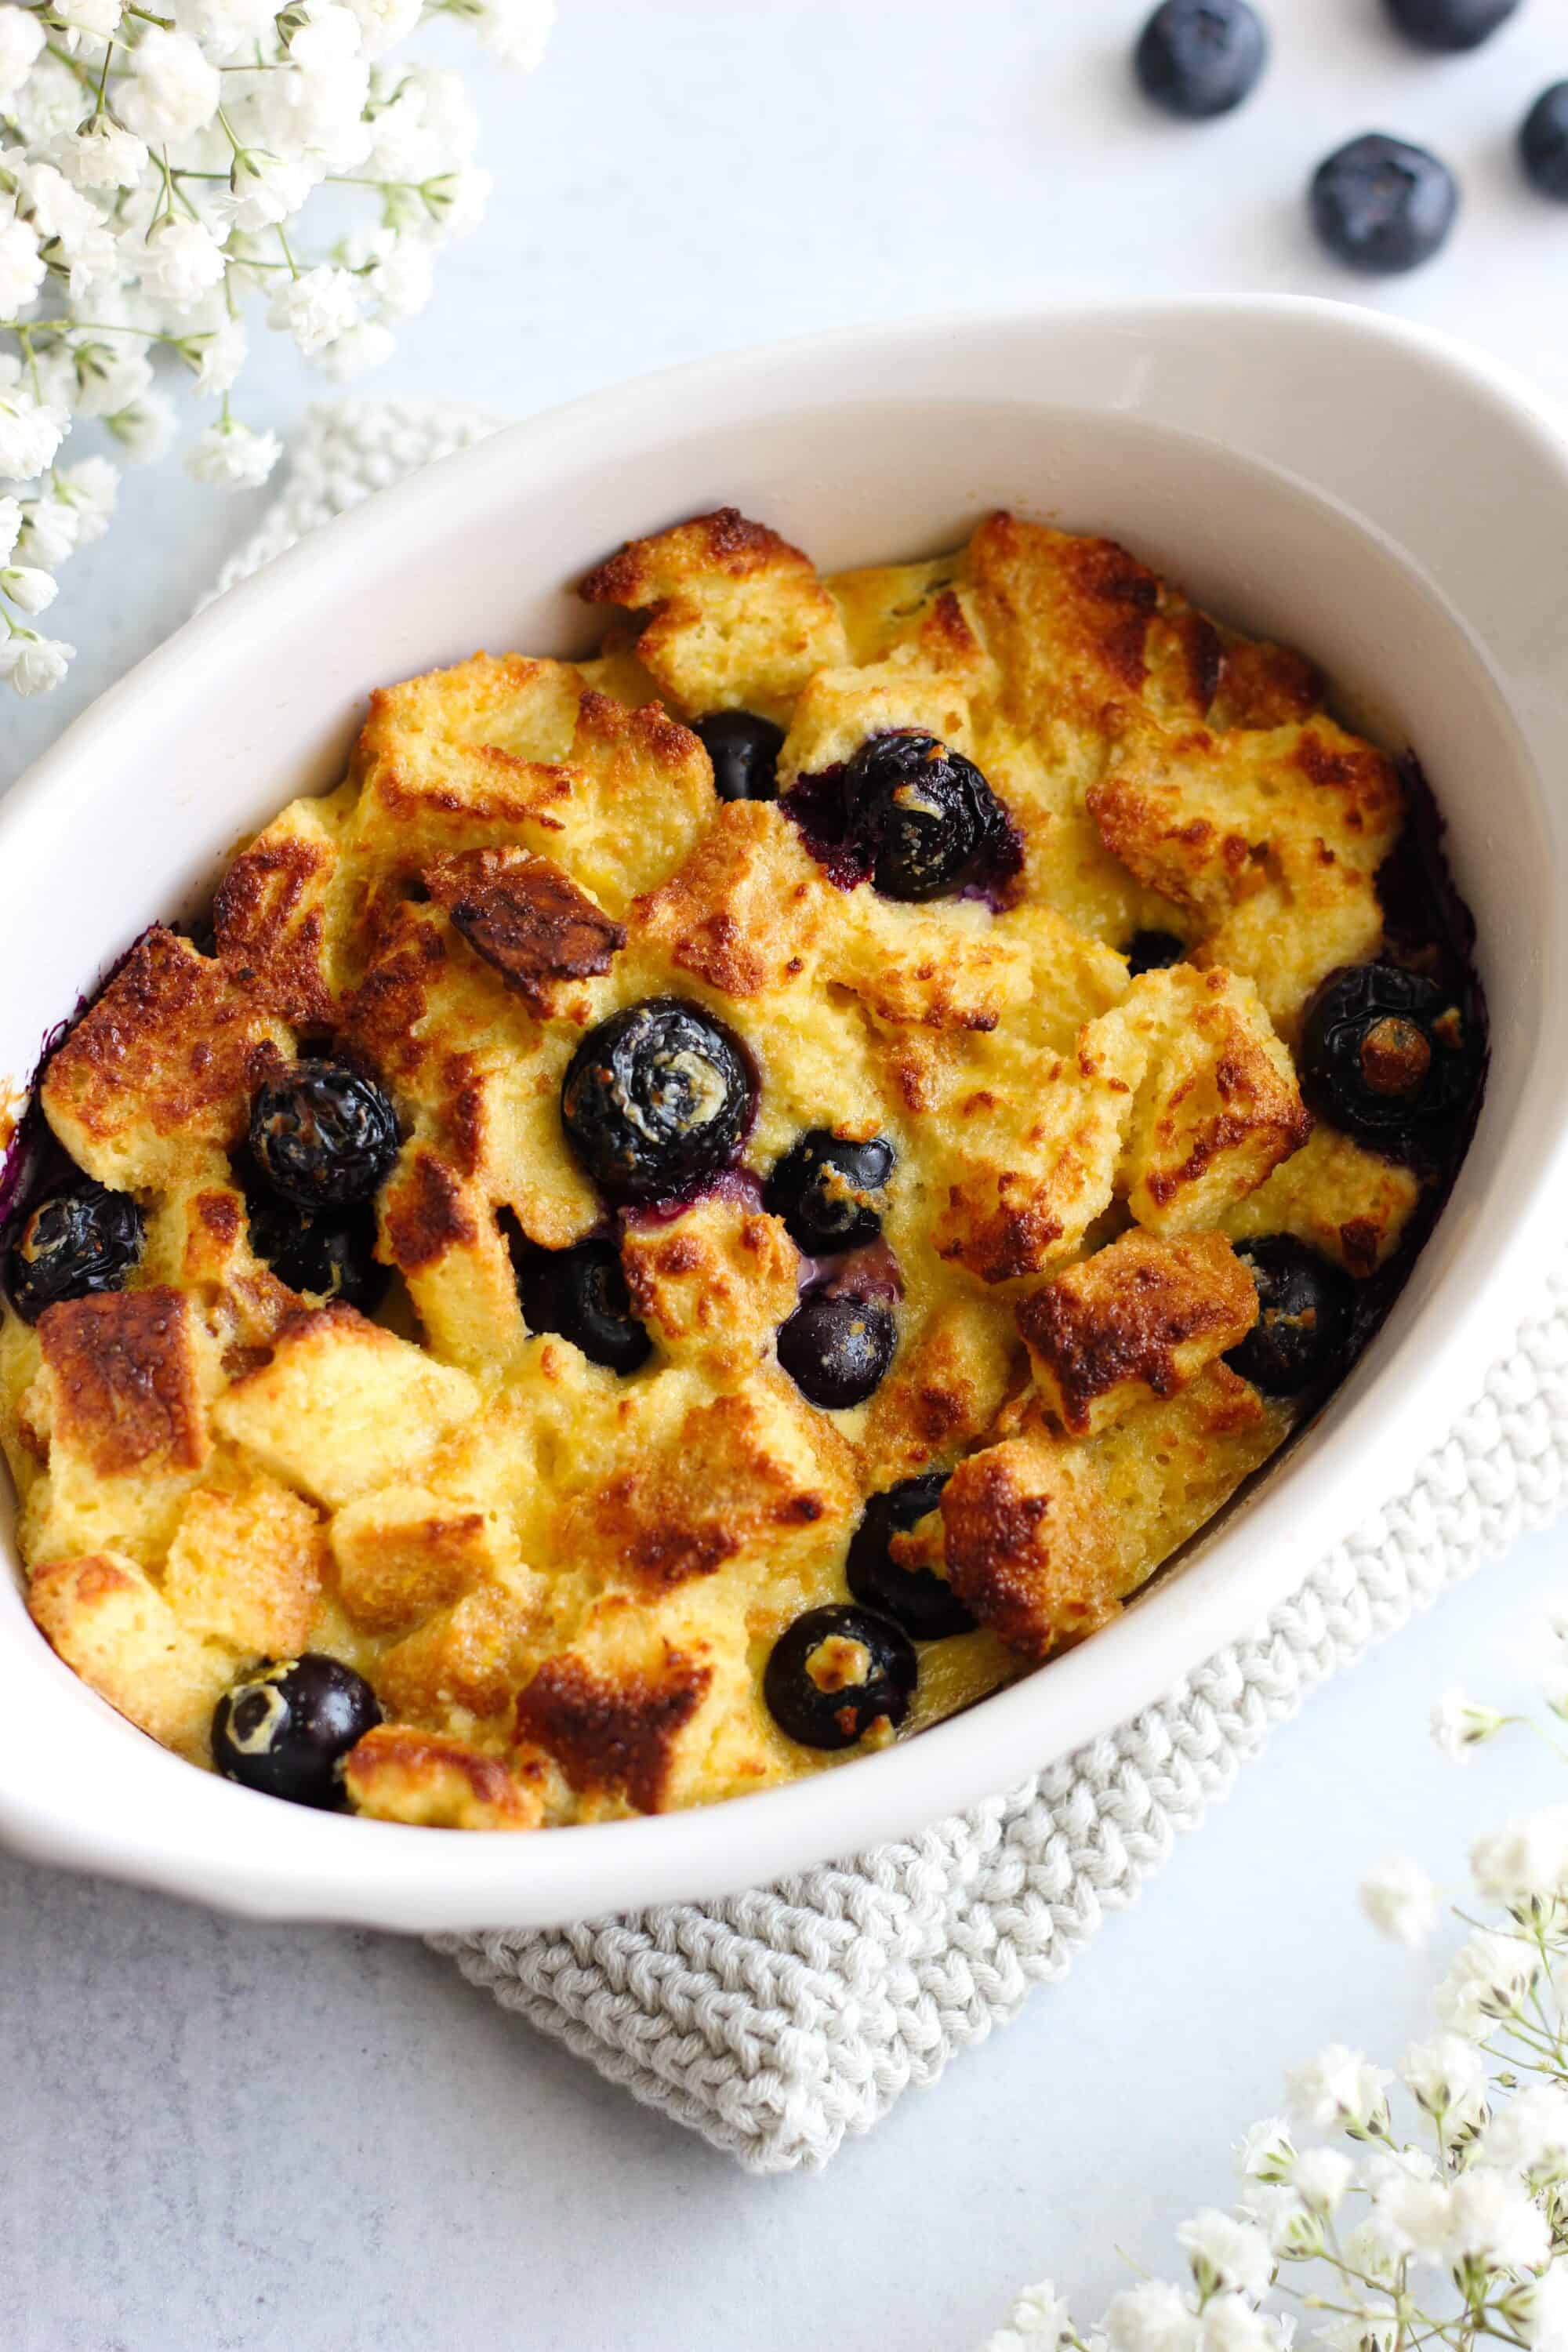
(162, 169)
(1397, 2209)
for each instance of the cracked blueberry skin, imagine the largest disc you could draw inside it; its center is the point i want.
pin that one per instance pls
(1387, 1055)
(1543, 143)
(284, 1729)
(924, 816)
(1383, 206)
(744, 750)
(826, 1190)
(1305, 1317)
(322, 1135)
(656, 1098)
(1199, 58)
(330, 1253)
(79, 1241)
(835, 1672)
(1153, 952)
(837, 1349)
(1450, 25)
(920, 1604)
(581, 1295)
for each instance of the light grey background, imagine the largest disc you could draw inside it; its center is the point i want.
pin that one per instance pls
(224, 2136)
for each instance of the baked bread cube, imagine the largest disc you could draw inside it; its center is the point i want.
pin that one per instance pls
(399, 1773)
(737, 618)
(713, 1284)
(109, 1622)
(151, 1087)
(342, 1406)
(244, 1567)
(404, 1552)
(1139, 1319)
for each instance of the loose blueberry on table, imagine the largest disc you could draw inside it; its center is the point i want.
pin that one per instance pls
(1543, 143)
(1305, 1310)
(284, 1729)
(744, 750)
(581, 1294)
(837, 1349)
(656, 1098)
(1383, 206)
(330, 1253)
(1450, 25)
(828, 1190)
(924, 816)
(1387, 1055)
(322, 1135)
(835, 1673)
(1198, 58)
(920, 1604)
(80, 1240)
(1153, 952)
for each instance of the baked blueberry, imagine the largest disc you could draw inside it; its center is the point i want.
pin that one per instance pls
(837, 1349)
(80, 1240)
(924, 817)
(1153, 952)
(1198, 58)
(656, 1098)
(582, 1294)
(827, 1190)
(286, 1728)
(1304, 1317)
(330, 1253)
(1383, 206)
(322, 1135)
(1543, 143)
(1387, 1055)
(837, 1674)
(922, 1603)
(744, 750)
(1450, 25)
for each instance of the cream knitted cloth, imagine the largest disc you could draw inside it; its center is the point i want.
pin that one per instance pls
(775, 2023)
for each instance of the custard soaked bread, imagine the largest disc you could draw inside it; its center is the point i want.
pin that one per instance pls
(711, 1205)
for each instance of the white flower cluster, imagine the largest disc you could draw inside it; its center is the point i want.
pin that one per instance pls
(153, 170)
(1452, 2233)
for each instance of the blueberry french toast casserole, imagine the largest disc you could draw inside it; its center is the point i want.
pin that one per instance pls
(714, 1205)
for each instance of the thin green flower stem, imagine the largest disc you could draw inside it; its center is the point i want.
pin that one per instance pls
(293, 269)
(227, 129)
(164, 24)
(103, 81)
(63, 57)
(24, 336)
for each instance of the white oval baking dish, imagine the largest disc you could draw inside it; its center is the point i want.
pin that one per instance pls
(1315, 473)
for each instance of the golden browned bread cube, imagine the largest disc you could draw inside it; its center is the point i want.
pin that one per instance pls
(404, 1552)
(714, 1283)
(342, 1406)
(113, 1627)
(1139, 1318)
(397, 1773)
(244, 1567)
(1346, 1202)
(153, 1084)
(737, 618)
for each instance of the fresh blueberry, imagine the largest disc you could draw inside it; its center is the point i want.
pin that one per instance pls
(1450, 25)
(285, 1730)
(837, 1347)
(80, 1240)
(582, 1294)
(1543, 143)
(322, 1135)
(917, 1600)
(1198, 58)
(1153, 952)
(1382, 205)
(329, 1252)
(1387, 1055)
(1304, 1317)
(924, 817)
(744, 750)
(837, 1674)
(656, 1098)
(826, 1190)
